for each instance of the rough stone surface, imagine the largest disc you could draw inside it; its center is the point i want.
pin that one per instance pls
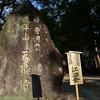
(26, 49)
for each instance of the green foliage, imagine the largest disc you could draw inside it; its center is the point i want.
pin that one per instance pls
(73, 24)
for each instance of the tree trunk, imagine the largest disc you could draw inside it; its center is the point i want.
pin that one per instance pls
(97, 57)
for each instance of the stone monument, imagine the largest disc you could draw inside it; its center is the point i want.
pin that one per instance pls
(26, 49)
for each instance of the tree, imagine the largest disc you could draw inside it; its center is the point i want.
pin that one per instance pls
(74, 24)
(7, 6)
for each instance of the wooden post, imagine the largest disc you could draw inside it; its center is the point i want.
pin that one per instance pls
(77, 93)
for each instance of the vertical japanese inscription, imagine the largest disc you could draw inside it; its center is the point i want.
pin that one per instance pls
(78, 62)
(37, 33)
(26, 37)
(69, 59)
(25, 68)
(75, 74)
(25, 85)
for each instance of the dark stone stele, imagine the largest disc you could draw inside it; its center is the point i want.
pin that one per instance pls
(26, 49)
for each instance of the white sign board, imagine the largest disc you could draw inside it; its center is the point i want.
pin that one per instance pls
(74, 65)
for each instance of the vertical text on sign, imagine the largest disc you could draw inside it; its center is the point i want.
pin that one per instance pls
(25, 84)
(25, 68)
(75, 75)
(69, 59)
(37, 32)
(78, 62)
(26, 37)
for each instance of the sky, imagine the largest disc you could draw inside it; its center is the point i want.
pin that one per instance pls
(36, 5)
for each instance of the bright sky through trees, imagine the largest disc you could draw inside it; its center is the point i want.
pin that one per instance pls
(36, 5)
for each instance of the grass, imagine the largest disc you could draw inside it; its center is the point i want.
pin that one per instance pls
(15, 98)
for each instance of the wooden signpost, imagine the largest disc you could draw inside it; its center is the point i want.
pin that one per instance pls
(75, 72)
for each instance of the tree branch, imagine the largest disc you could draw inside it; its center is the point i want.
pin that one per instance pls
(7, 3)
(3, 4)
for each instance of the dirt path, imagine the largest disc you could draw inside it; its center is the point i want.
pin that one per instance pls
(90, 90)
